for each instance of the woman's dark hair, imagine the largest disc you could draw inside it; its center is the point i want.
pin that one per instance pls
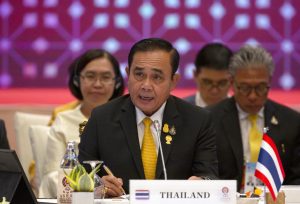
(79, 64)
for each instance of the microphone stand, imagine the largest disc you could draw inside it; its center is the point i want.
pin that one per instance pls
(157, 128)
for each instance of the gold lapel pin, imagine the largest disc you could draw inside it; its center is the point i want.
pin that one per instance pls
(166, 128)
(274, 120)
(168, 139)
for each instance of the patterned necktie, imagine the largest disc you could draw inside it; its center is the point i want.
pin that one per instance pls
(255, 138)
(149, 156)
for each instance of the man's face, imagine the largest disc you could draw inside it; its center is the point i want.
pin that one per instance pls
(150, 80)
(212, 84)
(251, 87)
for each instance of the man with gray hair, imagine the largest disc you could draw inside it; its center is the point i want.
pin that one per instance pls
(240, 120)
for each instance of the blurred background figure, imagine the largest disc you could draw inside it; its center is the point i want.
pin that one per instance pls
(211, 75)
(240, 120)
(3, 138)
(95, 78)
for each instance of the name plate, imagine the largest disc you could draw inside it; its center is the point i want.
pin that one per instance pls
(183, 191)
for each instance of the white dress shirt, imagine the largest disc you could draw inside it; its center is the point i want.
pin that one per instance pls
(199, 100)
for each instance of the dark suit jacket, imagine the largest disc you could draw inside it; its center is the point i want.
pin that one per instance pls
(286, 135)
(111, 135)
(3, 138)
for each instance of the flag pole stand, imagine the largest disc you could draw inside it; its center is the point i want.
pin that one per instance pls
(265, 194)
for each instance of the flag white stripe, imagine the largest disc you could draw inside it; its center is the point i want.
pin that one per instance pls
(271, 152)
(267, 174)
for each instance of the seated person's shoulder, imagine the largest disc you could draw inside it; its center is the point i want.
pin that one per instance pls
(192, 110)
(67, 106)
(225, 103)
(285, 111)
(190, 99)
(62, 108)
(71, 113)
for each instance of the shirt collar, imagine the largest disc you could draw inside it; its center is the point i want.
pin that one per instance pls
(199, 100)
(78, 108)
(158, 115)
(244, 115)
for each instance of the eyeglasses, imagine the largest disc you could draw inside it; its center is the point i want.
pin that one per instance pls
(260, 89)
(210, 84)
(91, 77)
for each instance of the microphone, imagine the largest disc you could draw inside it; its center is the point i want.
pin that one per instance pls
(157, 128)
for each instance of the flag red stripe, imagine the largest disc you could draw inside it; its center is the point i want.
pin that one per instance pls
(265, 180)
(272, 144)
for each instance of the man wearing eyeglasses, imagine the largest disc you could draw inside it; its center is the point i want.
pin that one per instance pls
(211, 75)
(240, 119)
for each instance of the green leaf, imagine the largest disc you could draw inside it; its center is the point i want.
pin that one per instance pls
(85, 183)
(95, 170)
(80, 180)
(73, 183)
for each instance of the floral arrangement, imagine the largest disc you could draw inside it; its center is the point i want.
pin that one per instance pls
(80, 180)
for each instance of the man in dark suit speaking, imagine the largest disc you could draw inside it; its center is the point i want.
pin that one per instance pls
(240, 120)
(122, 133)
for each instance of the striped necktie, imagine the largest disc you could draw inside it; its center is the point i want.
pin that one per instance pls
(149, 156)
(255, 138)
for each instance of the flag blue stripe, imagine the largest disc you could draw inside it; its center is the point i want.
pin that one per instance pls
(141, 194)
(266, 160)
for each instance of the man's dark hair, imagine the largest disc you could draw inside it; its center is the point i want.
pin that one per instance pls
(79, 64)
(213, 56)
(152, 44)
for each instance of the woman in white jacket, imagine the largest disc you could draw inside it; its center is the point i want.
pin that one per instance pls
(95, 78)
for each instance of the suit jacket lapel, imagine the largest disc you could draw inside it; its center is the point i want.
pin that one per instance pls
(233, 131)
(272, 122)
(170, 118)
(128, 124)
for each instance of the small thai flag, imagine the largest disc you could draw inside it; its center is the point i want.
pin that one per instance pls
(269, 167)
(142, 194)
